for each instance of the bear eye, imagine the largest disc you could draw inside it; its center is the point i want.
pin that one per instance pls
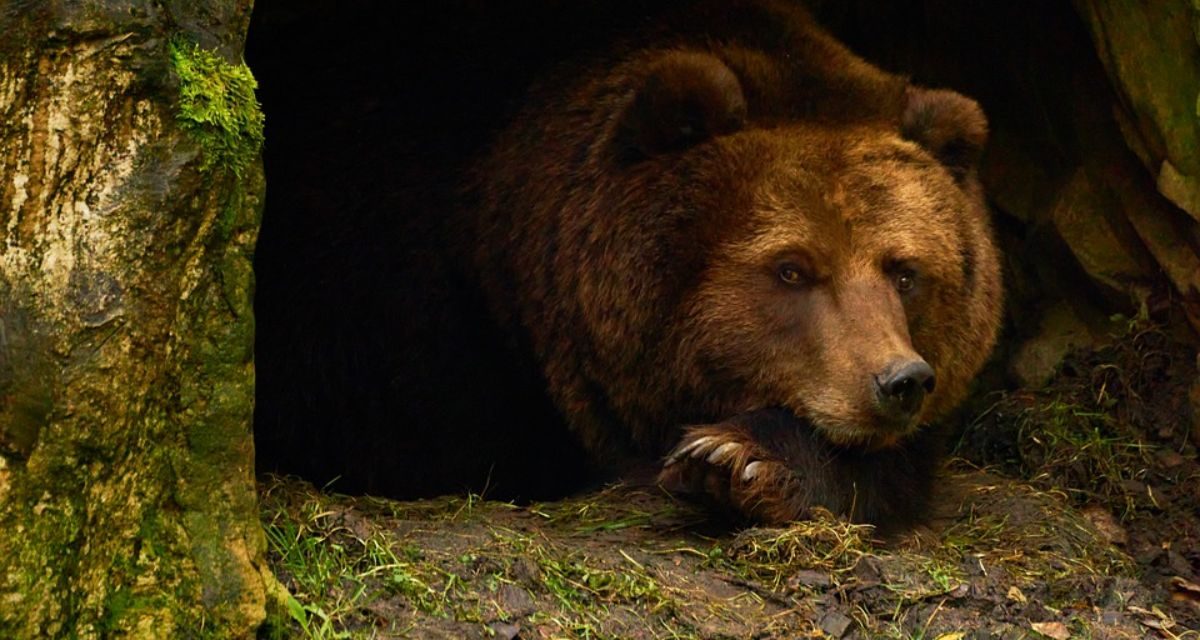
(790, 274)
(905, 280)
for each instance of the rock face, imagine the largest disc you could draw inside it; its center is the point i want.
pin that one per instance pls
(1151, 53)
(129, 205)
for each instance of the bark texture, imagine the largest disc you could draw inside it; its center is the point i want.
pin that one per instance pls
(129, 205)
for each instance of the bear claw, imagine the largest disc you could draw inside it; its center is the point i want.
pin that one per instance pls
(728, 466)
(750, 472)
(695, 448)
(722, 454)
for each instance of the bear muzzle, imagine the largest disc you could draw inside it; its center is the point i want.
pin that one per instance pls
(900, 391)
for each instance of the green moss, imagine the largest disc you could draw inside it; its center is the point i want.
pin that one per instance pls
(117, 608)
(217, 107)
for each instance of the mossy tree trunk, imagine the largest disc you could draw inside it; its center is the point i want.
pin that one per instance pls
(130, 190)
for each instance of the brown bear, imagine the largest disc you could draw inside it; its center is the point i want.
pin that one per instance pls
(731, 242)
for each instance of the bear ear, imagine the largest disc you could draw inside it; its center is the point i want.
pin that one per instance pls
(684, 99)
(949, 125)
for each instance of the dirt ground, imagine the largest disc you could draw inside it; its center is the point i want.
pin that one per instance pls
(1068, 512)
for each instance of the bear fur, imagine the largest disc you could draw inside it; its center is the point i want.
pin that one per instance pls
(720, 242)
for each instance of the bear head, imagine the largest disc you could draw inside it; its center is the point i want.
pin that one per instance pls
(840, 268)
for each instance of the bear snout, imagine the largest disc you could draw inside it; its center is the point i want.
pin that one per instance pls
(900, 390)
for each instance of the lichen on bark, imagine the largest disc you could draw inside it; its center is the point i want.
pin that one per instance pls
(127, 225)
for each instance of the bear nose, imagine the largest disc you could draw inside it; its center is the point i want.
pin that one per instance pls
(901, 389)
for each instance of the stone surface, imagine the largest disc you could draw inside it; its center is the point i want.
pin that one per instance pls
(1060, 330)
(1152, 55)
(127, 505)
(1088, 218)
(1167, 233)
(1181, 189)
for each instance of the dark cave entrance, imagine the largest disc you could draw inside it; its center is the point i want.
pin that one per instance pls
(374, 359)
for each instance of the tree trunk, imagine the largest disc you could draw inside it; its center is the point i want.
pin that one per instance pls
(129, 204)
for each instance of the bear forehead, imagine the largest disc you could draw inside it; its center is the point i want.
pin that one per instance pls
(850, 189)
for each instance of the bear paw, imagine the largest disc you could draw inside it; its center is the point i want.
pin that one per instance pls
(724, 464)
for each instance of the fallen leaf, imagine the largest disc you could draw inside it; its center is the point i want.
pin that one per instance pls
(1170, 459)
(1015, 595)
(1056, 630)
(1156, 624)
(1185, 592)
(957, 635)
(1160, 620)
(1186, 586)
